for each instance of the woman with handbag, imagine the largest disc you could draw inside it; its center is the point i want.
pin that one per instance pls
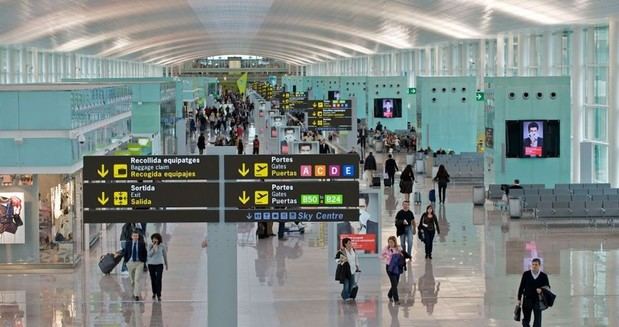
(348, 267)
(428, 226)
(394, 261)
(442, 178)
(406, 182)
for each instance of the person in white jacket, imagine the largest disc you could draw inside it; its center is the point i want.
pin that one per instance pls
(347, 254)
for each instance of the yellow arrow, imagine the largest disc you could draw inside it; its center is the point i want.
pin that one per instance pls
(243, 171)
(103, 199)
(244, 199)
(102, 171)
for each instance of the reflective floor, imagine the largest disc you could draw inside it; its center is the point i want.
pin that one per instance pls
(472, 280)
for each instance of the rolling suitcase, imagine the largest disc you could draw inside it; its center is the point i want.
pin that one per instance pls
(108, 262)
(432, 196)
(417, 198)
(376, 181)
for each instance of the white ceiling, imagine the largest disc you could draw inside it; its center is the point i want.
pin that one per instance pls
(296, 31)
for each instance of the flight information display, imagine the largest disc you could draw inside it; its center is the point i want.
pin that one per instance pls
(326, 115)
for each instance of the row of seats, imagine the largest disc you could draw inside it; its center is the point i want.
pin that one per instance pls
(578, 209)
(559, 191)
(533, 201)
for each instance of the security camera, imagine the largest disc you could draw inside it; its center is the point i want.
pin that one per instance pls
(81, 139)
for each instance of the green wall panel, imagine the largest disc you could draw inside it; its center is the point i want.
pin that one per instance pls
(9, 111)
(146, 118)
(500, 107)
(451, 117)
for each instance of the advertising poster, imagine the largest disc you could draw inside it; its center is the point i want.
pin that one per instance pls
(533, 134)
(12, 218)
(363, 233)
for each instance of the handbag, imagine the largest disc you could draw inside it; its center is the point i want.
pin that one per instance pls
(421, 234)
(10, 227)
(17, 219)
(517, 311)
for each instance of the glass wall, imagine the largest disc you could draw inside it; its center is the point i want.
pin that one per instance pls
(596, 98)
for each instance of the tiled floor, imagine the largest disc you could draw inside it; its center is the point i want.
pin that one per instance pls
(472, 280)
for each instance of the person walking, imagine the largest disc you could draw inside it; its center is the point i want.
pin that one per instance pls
(369, 167)
(405, 226)
(240, 147)
(442, 177)
(201, 143)
(406, 182)
(390, 168)
(256, 145)
(428, 225)
(531, 287)
(135, 256)
(157, 259)
(347, 258)
(392, 256)
(125, 237)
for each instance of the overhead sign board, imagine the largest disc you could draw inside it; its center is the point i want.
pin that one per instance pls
(176, 189)
(340, 166)
(120, 168)
(328, 115)
(139, 195)
(292, 194)
(292, 215)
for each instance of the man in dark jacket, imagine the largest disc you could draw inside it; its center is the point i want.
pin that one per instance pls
(135, 256)
(390, 168)
(369, 167)
(324, 147)
(530, 288)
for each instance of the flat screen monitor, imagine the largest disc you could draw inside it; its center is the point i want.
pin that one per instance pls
(532, 138)
(387, 108)
(334, 95)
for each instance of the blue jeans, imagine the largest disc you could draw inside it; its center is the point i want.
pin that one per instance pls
(347, 287)
(407, 238)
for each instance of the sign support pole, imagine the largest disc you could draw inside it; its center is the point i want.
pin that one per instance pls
(221, 258)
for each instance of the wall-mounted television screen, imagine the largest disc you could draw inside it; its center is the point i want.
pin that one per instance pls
(387, 108)
(334, 95)
(532, 138)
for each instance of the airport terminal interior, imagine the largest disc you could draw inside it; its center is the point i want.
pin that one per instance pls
(309, 163)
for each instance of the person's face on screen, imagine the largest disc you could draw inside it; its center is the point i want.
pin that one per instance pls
(306, 148)
(387, 105)
(363, 207)
(289, 135)
(533, 133)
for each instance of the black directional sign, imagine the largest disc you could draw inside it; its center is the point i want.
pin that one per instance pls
(292, 194)
(333, 115)
(119, 168)
(150, 216)
(140, 195)
(304, 215)
(304, 166)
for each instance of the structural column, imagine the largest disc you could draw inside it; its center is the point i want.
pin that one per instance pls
(613, 101)
(500, 55)
(510, 54)
(547, 54)
(578, 102)
(523, 54)
(481, 64)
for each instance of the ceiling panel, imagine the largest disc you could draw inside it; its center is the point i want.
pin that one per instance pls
(172, 31)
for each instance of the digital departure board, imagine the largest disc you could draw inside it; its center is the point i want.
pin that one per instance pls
(325, 115)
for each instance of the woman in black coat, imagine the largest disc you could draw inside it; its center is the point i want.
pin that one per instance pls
(406, 182)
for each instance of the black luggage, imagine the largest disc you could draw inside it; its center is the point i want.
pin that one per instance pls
(108, 262)
(262, 230)
(376, 181)
(387, 182)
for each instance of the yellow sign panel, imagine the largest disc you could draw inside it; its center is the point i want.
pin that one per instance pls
(261, 197)
(120, 171)
(261, 169)
(121, 198)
